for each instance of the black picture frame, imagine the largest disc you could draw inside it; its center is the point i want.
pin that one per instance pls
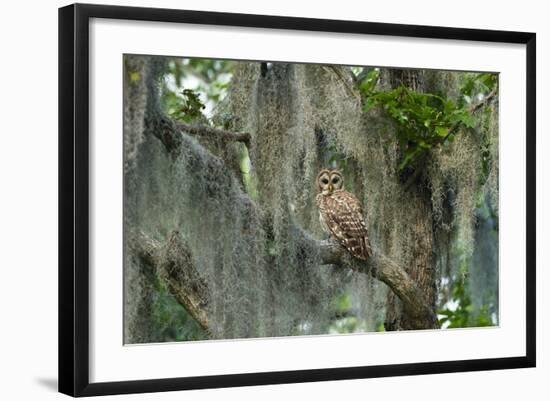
(74, 198)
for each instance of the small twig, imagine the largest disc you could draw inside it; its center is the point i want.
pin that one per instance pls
(343, 79)
(485, 101)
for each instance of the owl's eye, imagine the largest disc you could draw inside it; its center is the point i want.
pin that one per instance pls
(324, 180)
(335, 180)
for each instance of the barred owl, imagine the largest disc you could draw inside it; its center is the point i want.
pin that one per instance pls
(341, 214)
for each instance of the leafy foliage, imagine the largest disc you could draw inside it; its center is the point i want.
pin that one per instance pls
(476, 85)
(186, 107)
(424, 120)
(462, 312)
(195, 87)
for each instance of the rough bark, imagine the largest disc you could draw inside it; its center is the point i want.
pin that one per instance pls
(138, 284)
(421, 269)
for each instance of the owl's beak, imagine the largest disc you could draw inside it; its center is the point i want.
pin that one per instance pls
(330, 188)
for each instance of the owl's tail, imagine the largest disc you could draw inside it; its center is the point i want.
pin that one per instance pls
(362, 249)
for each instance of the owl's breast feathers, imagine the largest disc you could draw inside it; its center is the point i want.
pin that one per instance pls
(342, 214)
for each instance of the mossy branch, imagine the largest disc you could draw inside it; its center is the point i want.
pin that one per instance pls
(353, 92)
(174, 264)
(224, 135)
(169, 132)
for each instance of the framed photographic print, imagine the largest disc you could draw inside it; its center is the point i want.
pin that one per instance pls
(249, 199)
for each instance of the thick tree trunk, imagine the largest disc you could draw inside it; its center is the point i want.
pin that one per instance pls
(139, 281)
(421, 267)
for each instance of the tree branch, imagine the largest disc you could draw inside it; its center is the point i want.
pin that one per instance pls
(201, 130)
(344, 80)
(174, 264)
(169, 132)
(485, 101)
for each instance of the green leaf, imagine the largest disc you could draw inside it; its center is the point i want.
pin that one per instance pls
(442, 131)
(410, 155)
(468, 120)
(425, 118)
(134, 76)
(424, 145)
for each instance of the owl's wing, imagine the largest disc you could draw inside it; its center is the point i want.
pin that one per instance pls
(344, 218)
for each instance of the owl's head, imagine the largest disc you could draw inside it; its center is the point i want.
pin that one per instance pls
(329, 181)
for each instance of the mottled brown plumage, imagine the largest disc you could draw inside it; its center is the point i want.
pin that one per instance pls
(341, 214)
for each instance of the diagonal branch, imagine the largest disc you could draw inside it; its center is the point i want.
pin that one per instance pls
(351, 91)
(386, 270)
(174, 264)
